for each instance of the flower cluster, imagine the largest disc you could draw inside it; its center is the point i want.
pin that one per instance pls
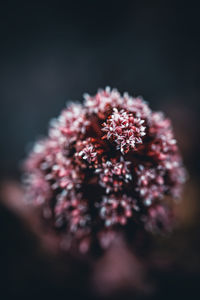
(108, 164)
(125, 129)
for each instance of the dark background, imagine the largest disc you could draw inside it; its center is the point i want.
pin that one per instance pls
(54, 51)
(57, 50)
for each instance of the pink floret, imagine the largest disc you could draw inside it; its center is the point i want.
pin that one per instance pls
(106, 165)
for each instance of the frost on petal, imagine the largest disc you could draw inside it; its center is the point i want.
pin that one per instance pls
(124, 129)
(114, 175)
(150, 184)
(105, 165)
(89, 151)
(117, 209)
(103, 102)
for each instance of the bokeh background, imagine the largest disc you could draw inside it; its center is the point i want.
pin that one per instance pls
(54, 51)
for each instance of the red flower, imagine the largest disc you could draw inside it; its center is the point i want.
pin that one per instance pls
(106, 164)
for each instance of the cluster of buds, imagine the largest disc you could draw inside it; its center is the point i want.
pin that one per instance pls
(108, 164)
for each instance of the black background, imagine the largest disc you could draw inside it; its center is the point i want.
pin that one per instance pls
(57, 50)
(54, 51)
